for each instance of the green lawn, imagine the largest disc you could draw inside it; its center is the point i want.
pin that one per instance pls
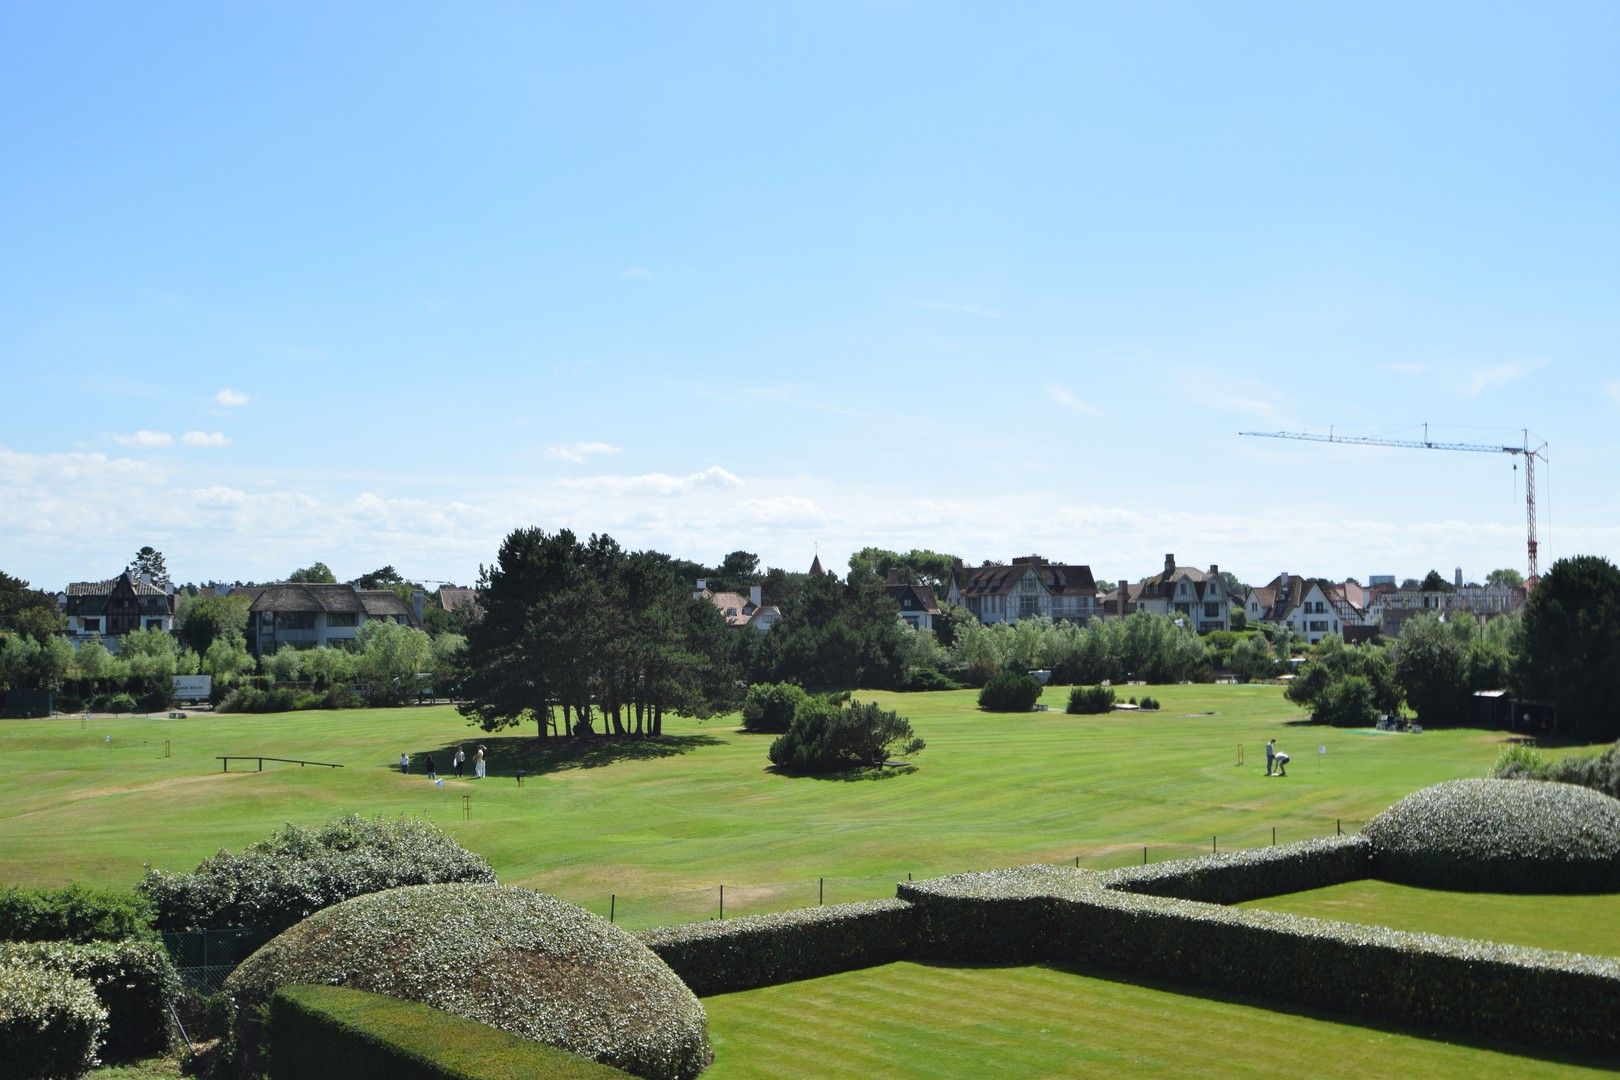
(672, 821)
(1588, 924)
(912, 1020)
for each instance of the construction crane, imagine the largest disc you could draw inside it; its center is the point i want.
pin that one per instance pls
(1525, 451)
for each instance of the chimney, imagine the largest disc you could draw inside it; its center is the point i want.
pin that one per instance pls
(1214, 569)
(1459, 577)
(894, 576)
(702, 583)
(416, 604)
(754, 595)
(1169, 565)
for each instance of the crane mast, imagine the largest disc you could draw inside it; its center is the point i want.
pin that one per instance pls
(1525, 451)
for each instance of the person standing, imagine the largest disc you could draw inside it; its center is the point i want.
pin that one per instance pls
(432, 775)
(478, 762)
(461, 756)
(1271, 754)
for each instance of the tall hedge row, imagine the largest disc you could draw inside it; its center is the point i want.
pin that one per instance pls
(74, 913)
(335, 1033)
(50, 1023)
(1249, 875)
(134, 981)
(762, 950)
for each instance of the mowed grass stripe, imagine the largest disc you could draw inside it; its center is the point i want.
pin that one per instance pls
(911, 1020)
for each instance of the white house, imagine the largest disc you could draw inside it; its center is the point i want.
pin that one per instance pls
(1189, 593)
(1296, 602)
(1027, 588)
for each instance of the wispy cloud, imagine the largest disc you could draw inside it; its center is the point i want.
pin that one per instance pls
(231, 399)
(205, 438)
(961, 309)
(637, 273)
(577, 452)
(144, 439)
(657, 483)
(1063, 396)
(1497, 376)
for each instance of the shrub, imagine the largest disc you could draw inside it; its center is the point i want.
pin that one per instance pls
(828, 737)
(1010, 691)
(1150, 704)
(250, 699)
(114, 703)
(770, 706)
(1087, 700)
(526, 963)
(298, 871)
(1345, 702)
(50, 1023)
(333, 1033)
(1248, 875)
(923, 679)
(1500, 836)
(134, 981)
(75, 913)
(1516, 761)
(1600, 773)
(739, 954)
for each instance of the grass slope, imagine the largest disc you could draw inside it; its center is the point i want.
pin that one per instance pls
(910, 1020)
(92, 803)
(1587, 924)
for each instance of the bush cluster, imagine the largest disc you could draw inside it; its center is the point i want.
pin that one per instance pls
(75, 913)
(526, 963)
(298, 871)
(1500, 836)
(244, 698)
(826, 736)
(1600, 772)
(333, 1033)
(1010, 691)
(1151, 704)
(133, 980)
(1238, 876)
(1088, 700)
(770, 706)
(762, 950)
(50, 1023)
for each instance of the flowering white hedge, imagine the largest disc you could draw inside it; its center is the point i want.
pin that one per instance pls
(50, 1023)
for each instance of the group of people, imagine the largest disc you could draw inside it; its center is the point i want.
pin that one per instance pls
(1276, 759)
(458, 761)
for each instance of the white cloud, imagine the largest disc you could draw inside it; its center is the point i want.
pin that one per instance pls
(1064, 397)
(205, 438)
(714, 477)
(784, 510)
(637, 273)
(961, 309)
(144, 439)
(577, 452)
(231, 399)
(1498, 375)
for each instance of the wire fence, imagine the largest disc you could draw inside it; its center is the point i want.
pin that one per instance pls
(205, 957)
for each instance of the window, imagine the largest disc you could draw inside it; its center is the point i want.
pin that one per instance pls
(91, 626)
(295, 620)
(341, 618)
(1212, 611)
(1318, 626)
(154, 624)
(1029, 606)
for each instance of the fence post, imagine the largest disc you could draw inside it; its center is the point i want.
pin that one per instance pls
(722, 902)
(1077, 862)
(1212, 848)
(1274, 836)
(1144, 854)
(613, 905)
(1338, 826)
(821, 891)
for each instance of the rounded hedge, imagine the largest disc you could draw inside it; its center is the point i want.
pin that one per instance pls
(1525, 836)
(521, 961)
(50, 1023)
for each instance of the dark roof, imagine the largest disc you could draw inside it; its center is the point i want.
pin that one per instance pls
(1001, 580)
(923, 595)
(1161, 585)
(328, 598)
(92, 597)
(454, 599)
(105, 588)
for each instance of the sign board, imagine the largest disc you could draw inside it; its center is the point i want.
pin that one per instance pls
(193, 687)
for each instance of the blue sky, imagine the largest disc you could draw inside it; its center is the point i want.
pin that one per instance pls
(377, 283)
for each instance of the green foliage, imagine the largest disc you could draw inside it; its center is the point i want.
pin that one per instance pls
(149, 561)
(1500, 836)
(76, 913)
(1150, 704)
(133, 980)
(334, 1033)
(1600, 772)
(720, 957)
(27, 664)
(1434, 582)
(1571, 635)
(1517, 761)
(1506, 576)
(284, 665)
(29, 613)
(204, 619)
(227, 658)
(1431, 665)
(1010, 691)
(1091, 699)
(255, 699)
(316, 574)
(298, 870)
(1239, 876)
(565, 976)
(836, 635)
(50, 1023)
(916, 567)
(827, 736)
(1144, 647)
(390, 658)
(1252, 658)
(771, 706)
(1346, 702)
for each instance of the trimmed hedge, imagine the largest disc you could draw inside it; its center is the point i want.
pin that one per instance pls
(334, 1033)
(1010, 691)
(1525, 836)
(763, 950)
(134, 981)
(1239, 876)
(50, 1023)
(1557, 1000)
(75, 913)
(1087, 700)
(526, 963)
(298, 871)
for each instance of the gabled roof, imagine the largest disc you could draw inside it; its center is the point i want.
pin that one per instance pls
(333, 599)
(105, 588)
(1002, 580)
(454, 599)
(1161, 586)
(922, 595)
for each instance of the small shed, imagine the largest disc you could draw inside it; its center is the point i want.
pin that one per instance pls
(1492, 709)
